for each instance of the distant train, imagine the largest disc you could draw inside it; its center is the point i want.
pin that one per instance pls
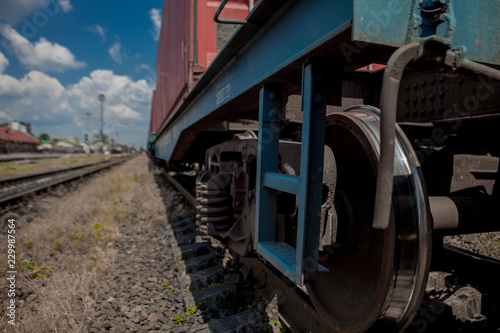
(336, 140)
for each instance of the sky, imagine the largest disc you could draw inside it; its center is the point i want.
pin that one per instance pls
(57, 56)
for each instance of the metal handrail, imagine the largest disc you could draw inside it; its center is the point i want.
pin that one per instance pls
(226, 21)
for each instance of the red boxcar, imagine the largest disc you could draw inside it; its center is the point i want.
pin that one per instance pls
(189, 42)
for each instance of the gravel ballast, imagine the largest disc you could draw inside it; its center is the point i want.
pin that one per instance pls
(103, 257)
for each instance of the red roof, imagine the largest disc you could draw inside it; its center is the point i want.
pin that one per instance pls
(7, 134)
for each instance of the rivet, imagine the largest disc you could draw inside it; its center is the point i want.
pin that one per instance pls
(441, 109)
(442, 78)
(433, 81)
(422, 99)
(422, 111)
(407, 100)
(407, 87)
(431, 110)
(442, 94)
(415, 100)
(415, 86)
(423, 83)
(272, 113)
(272, 96)
(432, 97)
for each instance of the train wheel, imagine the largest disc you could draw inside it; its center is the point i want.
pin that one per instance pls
(376, 277)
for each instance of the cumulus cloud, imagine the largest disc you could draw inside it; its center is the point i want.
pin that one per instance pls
(124, 112)
(155, 16)
(60, 110)
(97, 29)
(65, 5)
(42, 55)
(11, 11)
(4, 62)
(114, 52)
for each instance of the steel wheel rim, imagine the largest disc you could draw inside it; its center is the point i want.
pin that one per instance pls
(393, 291)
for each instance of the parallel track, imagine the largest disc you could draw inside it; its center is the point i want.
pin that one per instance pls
(14, 188)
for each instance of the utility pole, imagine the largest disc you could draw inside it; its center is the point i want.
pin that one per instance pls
(102, 98)
(88, 128)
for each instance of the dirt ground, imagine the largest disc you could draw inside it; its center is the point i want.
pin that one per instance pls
(73, 251)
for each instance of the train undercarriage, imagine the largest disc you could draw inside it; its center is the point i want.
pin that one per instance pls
(339, 176)
(445, 182)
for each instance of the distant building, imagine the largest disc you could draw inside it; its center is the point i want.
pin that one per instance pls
(73, 139)
(18, 140)
(65, 147)
(20, 126)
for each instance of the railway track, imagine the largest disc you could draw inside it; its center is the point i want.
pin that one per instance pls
(214, 286)
(458, 281)
(5, 159)
(14, 188)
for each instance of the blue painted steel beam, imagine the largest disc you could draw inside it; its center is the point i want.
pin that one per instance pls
(301, 29)
(280, 255)
(300, 264)
(282, 182)
(314, 94)
(267, 160)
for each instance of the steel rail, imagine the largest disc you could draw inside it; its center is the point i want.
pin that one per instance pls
(6, 159)
(45, 173)
(294, 307)
(64, 179)
(470, 254)
(295, 310)
(189, 197)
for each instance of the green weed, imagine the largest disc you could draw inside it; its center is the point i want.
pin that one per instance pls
(167, 289)
(57, 245)
(136, 177)
(179, 319)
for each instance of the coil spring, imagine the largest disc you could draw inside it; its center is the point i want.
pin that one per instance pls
(214, 209)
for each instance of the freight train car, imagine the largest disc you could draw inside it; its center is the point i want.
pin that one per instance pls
(334, 138)
(189, 42)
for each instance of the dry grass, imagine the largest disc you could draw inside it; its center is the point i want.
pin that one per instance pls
(67, 251)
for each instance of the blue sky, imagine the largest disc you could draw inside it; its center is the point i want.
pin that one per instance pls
(56, 56)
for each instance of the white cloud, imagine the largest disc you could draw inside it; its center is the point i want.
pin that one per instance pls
(98, 30)
(60, 110)
(11, 11)
(155, 16)
(42, 55)
(65, 5)
(4, 62)
(114, 52)
(124, 112)
(4, 115)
